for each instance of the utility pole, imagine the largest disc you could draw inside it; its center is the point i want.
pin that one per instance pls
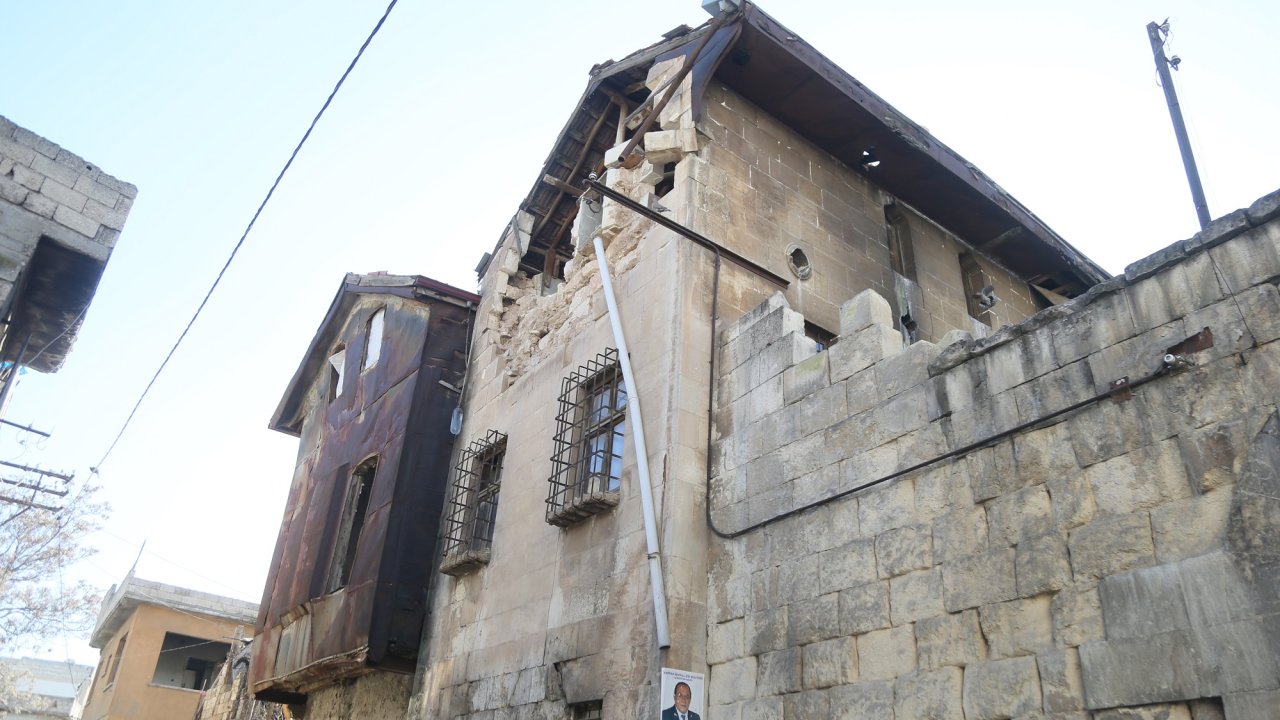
(1156, 33)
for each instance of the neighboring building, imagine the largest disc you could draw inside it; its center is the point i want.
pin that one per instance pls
(910, 455)
(161, 647)
(60, 218)
(372, 404)
(41, 689)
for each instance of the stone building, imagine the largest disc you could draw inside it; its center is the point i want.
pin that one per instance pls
(161, 647)
(904, 453)
(60, 218)
(34, 689)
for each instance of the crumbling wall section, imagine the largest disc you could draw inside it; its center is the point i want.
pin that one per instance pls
(1067, 546)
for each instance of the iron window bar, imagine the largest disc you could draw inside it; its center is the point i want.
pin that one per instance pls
(473, 504)
(591, 426)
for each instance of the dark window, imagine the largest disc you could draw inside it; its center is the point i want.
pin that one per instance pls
(978, 292)
(115, 662)
(590, 710)
(188, 662)
(353, 511)
(337, 362)
(590, 430)
(473, 506)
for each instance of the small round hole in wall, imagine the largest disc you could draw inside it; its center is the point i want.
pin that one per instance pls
(799, 262)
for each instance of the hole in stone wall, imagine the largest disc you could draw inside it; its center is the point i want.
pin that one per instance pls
(668, 181)
(798, 261)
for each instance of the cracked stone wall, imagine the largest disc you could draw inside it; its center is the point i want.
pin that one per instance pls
(1114, 561)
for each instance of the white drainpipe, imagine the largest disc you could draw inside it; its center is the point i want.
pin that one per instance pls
(642, 454)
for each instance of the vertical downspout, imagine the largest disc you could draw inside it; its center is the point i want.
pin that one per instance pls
(642, 454)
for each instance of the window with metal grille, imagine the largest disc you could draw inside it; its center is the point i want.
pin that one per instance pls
(586, 469)
(590, 710)
(473, 504)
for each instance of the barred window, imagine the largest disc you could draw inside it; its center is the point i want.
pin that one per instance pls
(473, 505)
(590, 429)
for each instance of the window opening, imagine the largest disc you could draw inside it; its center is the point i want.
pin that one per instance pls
(798, 261)
(590, 431)
(353, 514)
(115, 662)
(188, 662)
(373, 340)
(979, 294)
(820, 335)
(902, 258)
(473, 506)
(590, 710)
(668, 181)
(337, 362)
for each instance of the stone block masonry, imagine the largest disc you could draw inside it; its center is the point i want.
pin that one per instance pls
(1056, 552)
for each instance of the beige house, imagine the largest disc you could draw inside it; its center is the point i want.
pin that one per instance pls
(161, 647)
(903, 452)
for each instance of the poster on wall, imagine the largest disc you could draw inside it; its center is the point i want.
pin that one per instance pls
(683, 695)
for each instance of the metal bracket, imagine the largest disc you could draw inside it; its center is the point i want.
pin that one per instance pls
(1120, 390)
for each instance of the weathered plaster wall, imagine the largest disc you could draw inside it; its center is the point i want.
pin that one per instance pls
(1122, 555)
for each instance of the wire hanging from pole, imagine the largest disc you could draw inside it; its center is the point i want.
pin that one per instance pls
(245, 234)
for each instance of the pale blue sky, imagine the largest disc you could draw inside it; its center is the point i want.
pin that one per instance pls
(432, 143)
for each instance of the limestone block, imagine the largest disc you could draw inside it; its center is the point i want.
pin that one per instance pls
(26, 177)
(930, 695)
(1190, 527)
(812, 620)
(1045, 453)
(886, 506)
(1263, 705)
(759, 313)
(733, 681)
(807, 704)
(824, 408)
(1001, 368)
(764, 708)
(861, 393)
(904, 549)
(1001, 689)
(992, 472)
(1212, 454)
(1042, 564)
(863, 349)
(1140, 671)
(779, 672)
(1019, 627)
(847, 566)
(950, 640)
(1239, 656)
(864, 608)
(665, 146)
(726, 641)
(1249, 258)
(1106, 321)
(757, 330)
(861, 700)
(63, 195)
(900, 415)
(772, 359)
(1072, 499)
(916, 596)
(1143, 602)
(960, 533)
(905, 370)
(1216, 591)
(942, 489)
(1019, 515)
(816, 486)
(886, 654)
(1060, 680)
(74, 220)
(798, 579)
(766, 630)
(1140, 480)
(865, 309)
(979, 579)
(805, 378)
(1077, 615)
(831, 662)
(1111, 545)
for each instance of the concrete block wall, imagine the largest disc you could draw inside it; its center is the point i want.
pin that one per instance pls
(50, 192)
(1117, 560)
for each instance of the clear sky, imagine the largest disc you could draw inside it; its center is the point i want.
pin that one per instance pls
(430, 146)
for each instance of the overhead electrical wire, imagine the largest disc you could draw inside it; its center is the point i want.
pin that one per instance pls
(245, 234)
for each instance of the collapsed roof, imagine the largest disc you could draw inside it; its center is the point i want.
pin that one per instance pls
(756, 57)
